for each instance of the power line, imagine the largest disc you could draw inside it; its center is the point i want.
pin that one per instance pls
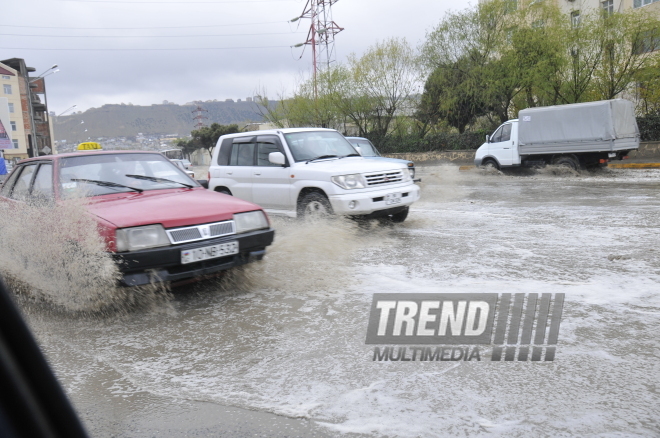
(175, 2)
(148, 50)
(146, 36)
(141, 28)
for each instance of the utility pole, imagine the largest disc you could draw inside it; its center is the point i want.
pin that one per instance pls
(199, 117)
(321, 35)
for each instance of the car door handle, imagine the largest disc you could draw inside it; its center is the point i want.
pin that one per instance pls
(257, 174)
(229, 173)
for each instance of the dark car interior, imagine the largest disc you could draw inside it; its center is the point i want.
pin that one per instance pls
(32, 402)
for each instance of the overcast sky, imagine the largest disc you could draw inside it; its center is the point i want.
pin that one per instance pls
(114, 51)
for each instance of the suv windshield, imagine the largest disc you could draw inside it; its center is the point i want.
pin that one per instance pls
(102, 174)
(313, 144)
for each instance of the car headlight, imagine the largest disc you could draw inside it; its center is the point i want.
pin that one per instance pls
(349, 182)
(250, 221)
(132, 239)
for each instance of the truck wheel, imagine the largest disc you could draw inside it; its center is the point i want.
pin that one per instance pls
(400, 216)
(314, 206)
(567, 162)
(490, 164)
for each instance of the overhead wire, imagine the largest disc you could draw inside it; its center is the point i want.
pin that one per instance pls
(147, 36)
(149, 50)
(142, 27)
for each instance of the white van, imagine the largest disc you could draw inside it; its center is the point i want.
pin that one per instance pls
(309, 171)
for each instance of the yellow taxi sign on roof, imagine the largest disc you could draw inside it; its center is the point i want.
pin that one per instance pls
(89, 146)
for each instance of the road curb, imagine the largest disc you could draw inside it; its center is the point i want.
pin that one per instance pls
(633, 165)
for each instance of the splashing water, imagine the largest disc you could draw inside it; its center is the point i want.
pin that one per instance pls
(53, 252)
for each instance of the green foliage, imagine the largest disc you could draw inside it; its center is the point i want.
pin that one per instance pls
(649, 126)
(188, 146)
(207, 136)
(439, 141)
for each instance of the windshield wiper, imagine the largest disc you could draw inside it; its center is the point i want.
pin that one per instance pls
(106, 184)
(320, 158)
(350, 155)
(156, 179)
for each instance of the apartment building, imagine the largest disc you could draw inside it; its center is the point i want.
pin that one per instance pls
(10, 83)
(30, 126)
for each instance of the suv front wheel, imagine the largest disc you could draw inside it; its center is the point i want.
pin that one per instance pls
(314, 205)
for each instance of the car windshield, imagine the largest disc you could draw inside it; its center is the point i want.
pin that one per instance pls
(314, 144)
(102, 174)
(366, 148)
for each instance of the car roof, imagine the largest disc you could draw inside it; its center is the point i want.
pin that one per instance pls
(84, 153)
(278, 131)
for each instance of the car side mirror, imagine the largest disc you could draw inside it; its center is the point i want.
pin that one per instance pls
(357, 148)
(204, 183)
(277, 158)
(487, 138)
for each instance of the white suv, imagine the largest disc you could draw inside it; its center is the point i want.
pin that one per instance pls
(309, 171)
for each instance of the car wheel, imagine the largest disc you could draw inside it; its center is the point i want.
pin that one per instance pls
(400, 216)
(224, 191)
(314, 206)
(567, 162)
(490, 164)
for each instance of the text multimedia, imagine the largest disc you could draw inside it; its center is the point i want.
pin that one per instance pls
(412, 354)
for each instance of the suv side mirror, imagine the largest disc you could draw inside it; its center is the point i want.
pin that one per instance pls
(357, 148)
(277, 158)
(487, 138)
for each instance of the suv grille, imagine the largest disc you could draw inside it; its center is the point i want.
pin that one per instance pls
(201, 232)
(389, 177)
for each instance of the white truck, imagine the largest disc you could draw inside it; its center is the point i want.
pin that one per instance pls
(580, 135)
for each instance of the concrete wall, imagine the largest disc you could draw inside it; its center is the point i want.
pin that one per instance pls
(647, 151)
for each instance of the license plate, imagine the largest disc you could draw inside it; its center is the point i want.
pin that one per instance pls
(208, 252)
(392, 198)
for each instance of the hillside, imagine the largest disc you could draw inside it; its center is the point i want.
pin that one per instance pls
(129, 120)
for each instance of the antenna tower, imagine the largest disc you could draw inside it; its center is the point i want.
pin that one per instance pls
(199, 117)
(321, 35)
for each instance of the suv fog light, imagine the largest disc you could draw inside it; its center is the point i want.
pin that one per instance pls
(352, 204)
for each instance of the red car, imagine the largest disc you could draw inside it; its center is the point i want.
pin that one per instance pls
(158, 223)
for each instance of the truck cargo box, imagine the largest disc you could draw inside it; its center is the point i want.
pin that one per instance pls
(603, 126)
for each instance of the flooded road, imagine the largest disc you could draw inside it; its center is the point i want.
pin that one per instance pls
(278, 349)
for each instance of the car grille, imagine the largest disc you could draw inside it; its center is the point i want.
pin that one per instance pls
(201, 232)
(389, 177)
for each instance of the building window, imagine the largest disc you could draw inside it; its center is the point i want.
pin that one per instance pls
(13, 126)
(575, 18)
(15, 143)
(608, 7)
(649, 42)
(11, 107)
(7, 88)
(640, 3)
(6, 77)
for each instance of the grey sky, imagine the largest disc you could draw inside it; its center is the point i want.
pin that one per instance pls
(217, 69)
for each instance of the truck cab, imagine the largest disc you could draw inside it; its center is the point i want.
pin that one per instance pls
(500, 148)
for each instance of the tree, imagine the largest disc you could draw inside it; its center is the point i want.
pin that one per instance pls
(452, 93)
(187, 146)
(627, 41)
(207, 136)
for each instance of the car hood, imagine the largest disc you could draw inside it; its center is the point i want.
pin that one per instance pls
(171, 207)
(349, 165)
